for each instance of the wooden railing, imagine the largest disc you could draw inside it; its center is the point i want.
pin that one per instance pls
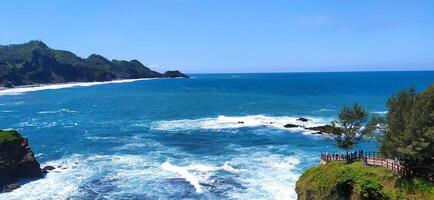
(388, 163)
(374, 159)
(368, 158)
(350, 156)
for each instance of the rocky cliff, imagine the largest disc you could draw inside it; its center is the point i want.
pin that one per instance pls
(16, 160)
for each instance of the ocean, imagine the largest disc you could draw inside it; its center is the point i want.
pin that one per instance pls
(213, 136)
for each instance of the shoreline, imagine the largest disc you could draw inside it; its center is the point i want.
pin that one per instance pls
(51, 86)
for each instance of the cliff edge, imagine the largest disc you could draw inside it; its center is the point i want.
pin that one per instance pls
(17, 160)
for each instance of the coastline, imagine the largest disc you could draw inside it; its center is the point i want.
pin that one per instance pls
(50, 86)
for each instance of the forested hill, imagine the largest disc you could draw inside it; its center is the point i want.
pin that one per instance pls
(35, 63)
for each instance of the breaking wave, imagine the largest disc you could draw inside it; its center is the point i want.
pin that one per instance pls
(63, 110)
(380, 112)
(197, 174)
(234, 122)
(21, 90)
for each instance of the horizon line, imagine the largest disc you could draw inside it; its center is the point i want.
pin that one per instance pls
(283, 72)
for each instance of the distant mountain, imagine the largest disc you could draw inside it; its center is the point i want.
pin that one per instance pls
(35, 63)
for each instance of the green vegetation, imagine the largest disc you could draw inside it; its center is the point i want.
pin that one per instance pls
(409, 129)
(36, 63)
(408, 134)
(9, 136)
(348, 128)
(339, 180)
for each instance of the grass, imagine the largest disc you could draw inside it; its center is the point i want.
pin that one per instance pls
(9, 136)
(339, 180)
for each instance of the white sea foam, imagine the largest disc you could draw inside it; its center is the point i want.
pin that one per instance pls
(196, 174)
(57, 184)
(21, 90)
(7, 111)
(262, 175)
(63, 110)
(323, 110)
(96, 138)
(380, 112)
(128, 171)
(234, 122)
(267, 176)
(194, 181)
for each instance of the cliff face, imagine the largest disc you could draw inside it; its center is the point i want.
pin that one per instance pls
(36, 63)
(16, 160)
(339, 180)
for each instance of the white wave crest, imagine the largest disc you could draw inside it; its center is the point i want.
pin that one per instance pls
(63, 110)
(267, 176)
(233, 122)
(380, 112)
(24, 89)
(196, 174)
(194, 181)
(71, 173)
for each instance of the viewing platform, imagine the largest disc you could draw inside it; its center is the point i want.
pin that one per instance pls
(368, 158)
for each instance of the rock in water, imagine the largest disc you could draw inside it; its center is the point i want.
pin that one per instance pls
(174, 74)
(321, 129)
(291, 126)
(303, 119)
(47, 168)
(16, 160)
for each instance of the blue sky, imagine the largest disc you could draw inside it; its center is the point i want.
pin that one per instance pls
(233, 35)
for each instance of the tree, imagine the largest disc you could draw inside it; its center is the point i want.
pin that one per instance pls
(351, 126)
(409, 129)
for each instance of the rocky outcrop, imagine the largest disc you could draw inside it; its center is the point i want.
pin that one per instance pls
(174, 74)
(321, 129)
(291, 126)
(318, 129)
(303, 119)
(16, 160)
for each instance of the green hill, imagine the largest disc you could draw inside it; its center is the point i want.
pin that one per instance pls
(36, 63)
(338, 180)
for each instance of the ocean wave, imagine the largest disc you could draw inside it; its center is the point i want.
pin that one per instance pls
(58, 184)
(323, 110)
(235, 122)
(193, 180)
(96, 138)
(63, 110)
(197, 174)
(256, 175)
(33, 123)
(75, 175)
(380, 112)
(267, 176)
(21, 90)
(7, 111)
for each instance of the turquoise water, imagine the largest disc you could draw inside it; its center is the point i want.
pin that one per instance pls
(180, 138)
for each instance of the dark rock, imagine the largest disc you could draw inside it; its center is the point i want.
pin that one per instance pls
(16, 160)
(240, 122)
(291, 126)
(47, 168)
(323, 129)
(303, 119)
(174, 74)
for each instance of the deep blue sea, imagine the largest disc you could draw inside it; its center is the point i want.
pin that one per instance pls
(181, 138)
